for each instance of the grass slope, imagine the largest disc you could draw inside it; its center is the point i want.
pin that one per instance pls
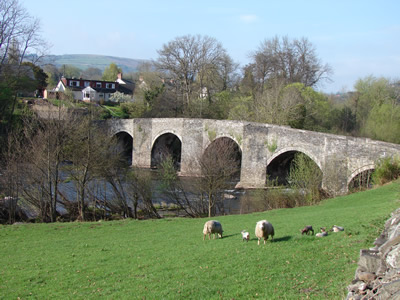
(167, 259)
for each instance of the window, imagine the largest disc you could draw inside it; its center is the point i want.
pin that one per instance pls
(87, 83)
(74, 83)
(110, 85)
(101, 95)
(87, 95)
(98, 84)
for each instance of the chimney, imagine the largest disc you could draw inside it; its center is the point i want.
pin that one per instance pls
(120, 76)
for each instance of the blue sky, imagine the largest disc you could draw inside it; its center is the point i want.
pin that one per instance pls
(356, 38)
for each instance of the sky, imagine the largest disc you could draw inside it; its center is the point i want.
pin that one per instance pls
(356, 38)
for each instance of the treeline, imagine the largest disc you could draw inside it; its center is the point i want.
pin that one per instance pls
(195, 77)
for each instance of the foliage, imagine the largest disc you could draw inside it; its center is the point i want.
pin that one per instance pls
(377, 108)
(70, 71)
(386, 170)
(305, 177)
(168, 258)
(119, 97)
(110, 73)
(134, 109)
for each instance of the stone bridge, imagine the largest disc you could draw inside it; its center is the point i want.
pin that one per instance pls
(264, 148)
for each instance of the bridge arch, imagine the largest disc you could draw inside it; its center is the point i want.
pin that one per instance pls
(278, 165)
(227, 154)
(165, 144)
(361, 177)
(125, 145)
(224, 136)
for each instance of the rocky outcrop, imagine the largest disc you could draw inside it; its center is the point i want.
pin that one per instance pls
(378, 273)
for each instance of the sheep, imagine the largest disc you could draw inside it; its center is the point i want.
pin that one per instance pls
(307, 229)
(322, 233)
(212, 227)
(263, 230)
(336, 228)
(245, 235)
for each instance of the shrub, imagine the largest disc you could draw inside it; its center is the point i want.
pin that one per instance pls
(387, 169)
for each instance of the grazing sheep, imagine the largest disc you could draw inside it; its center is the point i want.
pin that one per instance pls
(263, 230)
(307, 229)
(336, 228)
(322, 233)
(212, 227)
(245, 235)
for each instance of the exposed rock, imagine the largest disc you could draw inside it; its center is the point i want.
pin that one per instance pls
(378, 272)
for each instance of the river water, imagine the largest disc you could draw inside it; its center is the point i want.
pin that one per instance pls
(232, 198)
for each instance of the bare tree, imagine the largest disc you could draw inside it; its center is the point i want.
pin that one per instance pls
(44, 141)
(293, 61)
(191, 62)
(19, 40)
(219, 164)
(87, 150)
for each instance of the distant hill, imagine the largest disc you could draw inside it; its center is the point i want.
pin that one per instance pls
(84, 61)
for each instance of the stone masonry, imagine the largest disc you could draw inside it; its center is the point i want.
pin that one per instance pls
(340, 158)
(378, 273)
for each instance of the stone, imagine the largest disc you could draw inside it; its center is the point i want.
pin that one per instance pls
(393, 257)
(366, 276)
(368, 262)
(387, 247)
(390, 290)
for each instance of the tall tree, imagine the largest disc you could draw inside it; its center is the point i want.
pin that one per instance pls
(193, 63)
(377, 107)
(291, 60)
(110, 73)
(45, 139)
(19, 37)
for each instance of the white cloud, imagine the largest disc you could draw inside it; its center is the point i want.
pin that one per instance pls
(248, 18)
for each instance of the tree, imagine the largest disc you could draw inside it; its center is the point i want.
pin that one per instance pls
(19, 40)
(44, 146)
(53, 75)
(305, 177)
(87, 149)
(70, 71)
(92, 73)
(19, 34)
(193, 63)
(219, 164)
(377, 108)
(293, 61)
(110, 73)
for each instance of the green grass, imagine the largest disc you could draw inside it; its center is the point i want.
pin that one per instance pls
(168, 259)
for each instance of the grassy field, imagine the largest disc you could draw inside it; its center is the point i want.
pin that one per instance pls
(168, 259)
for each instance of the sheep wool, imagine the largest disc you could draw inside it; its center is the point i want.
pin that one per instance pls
(263, 230)
(212, 227)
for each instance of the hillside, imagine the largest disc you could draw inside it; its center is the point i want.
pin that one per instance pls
(84, 61)
(168, 259)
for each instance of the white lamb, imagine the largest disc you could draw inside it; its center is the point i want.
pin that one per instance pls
(245, 235)
(212, 227)
(263, 230)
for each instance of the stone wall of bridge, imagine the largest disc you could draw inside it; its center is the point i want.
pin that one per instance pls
(340, 158)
